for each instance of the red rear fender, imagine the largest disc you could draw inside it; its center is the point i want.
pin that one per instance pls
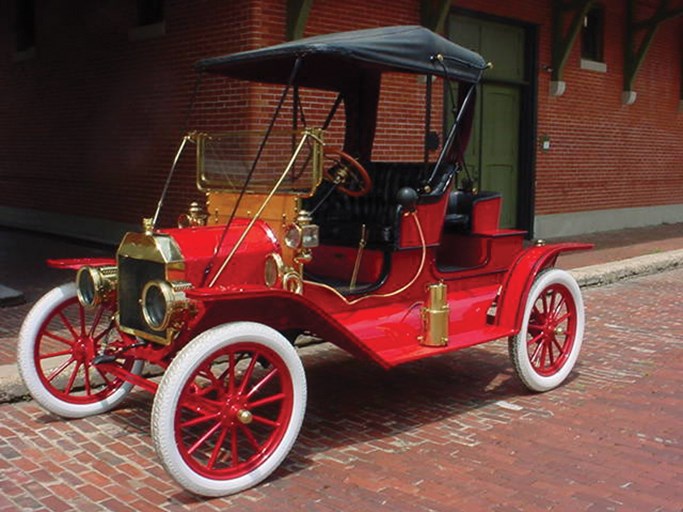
(520, 277)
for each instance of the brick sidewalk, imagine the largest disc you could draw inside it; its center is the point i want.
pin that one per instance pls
(446, 434)
(623, 244)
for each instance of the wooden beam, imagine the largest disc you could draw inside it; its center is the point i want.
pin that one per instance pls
(297, 16)
(634, 53)
(659, 17)
(563, 36)
(433, 14)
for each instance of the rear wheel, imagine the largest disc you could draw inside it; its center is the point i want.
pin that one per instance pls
(229, 408)
(57, 344)
(548, 344)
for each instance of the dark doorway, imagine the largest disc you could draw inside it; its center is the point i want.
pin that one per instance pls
(501, 150)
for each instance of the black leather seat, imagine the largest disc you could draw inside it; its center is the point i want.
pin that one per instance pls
(458, 211)
(341, 217)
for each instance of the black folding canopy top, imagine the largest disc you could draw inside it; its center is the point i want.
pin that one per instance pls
(328, 61)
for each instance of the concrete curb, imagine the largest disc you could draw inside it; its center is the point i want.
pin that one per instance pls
(608, 273)
(12, 388)
(10, 297)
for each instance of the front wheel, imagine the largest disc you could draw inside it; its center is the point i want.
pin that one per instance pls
(57, 344)
(229, 408)
(548, 344)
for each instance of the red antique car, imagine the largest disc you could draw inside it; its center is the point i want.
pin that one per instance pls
(304, 233)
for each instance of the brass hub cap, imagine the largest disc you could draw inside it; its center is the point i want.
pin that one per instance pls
(244, 416)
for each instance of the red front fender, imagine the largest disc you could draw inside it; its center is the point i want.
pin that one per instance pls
(520, 277)
(76, 263)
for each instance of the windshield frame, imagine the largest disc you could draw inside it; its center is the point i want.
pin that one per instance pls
(305, 189)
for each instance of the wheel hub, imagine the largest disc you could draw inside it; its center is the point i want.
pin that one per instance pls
(244, 416)
(548, 331)
(235, 410)
(83, 350)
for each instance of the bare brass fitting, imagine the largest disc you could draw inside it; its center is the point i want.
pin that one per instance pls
(304, 218)
(148, 225)
(194, 217)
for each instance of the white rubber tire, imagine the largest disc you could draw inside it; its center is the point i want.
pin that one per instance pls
(517, 344)
(183, 367)
(28, 336)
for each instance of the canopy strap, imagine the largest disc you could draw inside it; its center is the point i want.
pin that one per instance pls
(283, 97)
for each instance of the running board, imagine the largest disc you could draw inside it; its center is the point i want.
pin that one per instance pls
(405, 354)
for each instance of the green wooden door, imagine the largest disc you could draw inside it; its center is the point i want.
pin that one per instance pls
(493, 153)
(499, 159)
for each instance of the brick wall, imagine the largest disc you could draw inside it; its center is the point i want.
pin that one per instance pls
(92, 122)
(95, 118)
(604, 154)
(608, 155)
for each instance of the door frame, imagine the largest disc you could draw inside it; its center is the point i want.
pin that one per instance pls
(526, 189)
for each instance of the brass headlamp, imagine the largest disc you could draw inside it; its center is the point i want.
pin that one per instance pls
(164, 304)
(95, 285)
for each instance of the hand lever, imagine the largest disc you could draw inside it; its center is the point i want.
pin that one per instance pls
(359, 255)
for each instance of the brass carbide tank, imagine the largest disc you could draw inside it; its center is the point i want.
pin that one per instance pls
(435, 316)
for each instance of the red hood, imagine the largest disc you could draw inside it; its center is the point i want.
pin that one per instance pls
(198, 245)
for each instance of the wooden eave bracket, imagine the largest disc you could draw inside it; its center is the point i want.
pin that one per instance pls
(634, 54)
(297, 16)
(433, 14)
(564, 36)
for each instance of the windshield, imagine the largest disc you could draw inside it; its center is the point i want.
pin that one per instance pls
(253, 159)
(225, 162)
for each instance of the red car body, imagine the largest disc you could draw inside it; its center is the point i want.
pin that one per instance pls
(392, 262)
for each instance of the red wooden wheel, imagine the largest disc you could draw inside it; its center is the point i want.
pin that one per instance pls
(551, 330)
(57, 344)
(229, 408)
(230, 420)
(548, 344)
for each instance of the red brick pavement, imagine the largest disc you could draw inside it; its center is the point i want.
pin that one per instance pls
(454, 433)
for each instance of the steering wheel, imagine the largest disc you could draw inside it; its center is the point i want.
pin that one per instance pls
(347, 173)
